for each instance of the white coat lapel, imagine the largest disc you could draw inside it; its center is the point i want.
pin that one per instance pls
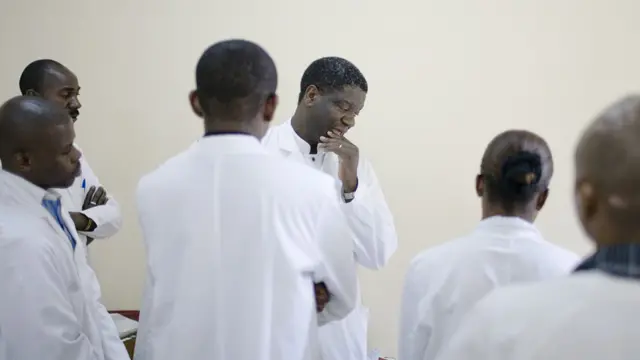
(285, 138)
(17, 192)
(71, 226)
(58, 229)
(286, 141)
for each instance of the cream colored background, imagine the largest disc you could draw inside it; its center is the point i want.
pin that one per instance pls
(445, 77)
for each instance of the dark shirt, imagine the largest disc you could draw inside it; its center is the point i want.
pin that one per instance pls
(618, 260)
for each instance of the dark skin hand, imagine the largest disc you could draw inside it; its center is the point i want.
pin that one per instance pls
(349, 156)
(322, 296)
(95, 197)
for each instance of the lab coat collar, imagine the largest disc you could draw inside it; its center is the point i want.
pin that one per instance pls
(230, 144)
(301, 145)
(285, 137)
(290, 142)
(505, 224)
(22, 195)
(18, 191)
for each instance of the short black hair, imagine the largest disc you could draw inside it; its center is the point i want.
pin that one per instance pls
(22, 115)
(234, 77)
(332, 74)
(33, 75)
(516, 165)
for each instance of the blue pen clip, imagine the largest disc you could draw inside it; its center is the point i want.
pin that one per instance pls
(84, 184)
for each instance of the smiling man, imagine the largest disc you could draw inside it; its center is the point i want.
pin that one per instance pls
(95, 214)
(332, 94)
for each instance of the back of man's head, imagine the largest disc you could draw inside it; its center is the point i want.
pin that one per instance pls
(36, 141)
(234, 81)
(33, 76)
(608, 172)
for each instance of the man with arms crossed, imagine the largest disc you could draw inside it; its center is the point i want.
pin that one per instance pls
(45, 312)
(592, 314)
(236, 237)
(95, 214)
(332, 94)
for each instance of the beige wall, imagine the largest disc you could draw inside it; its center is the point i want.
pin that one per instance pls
(444, 78)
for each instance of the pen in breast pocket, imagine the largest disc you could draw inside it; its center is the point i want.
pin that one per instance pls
(84, 184)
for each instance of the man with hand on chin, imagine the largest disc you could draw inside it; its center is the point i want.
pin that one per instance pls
(348, 155)
(95, 214)
(332, 94)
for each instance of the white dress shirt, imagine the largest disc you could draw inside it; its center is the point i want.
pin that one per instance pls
(235, 239)
(47, 312)
(444, 282)
(372, 228)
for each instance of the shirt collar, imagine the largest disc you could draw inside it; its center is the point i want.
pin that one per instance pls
(302, 145)
(218, 133)
(229, 143)
(293, 142)
(617, 260)
(506, 223)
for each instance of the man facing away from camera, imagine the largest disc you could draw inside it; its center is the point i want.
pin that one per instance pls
(236, 237)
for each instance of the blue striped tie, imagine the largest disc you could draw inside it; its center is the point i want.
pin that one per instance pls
(54, 207)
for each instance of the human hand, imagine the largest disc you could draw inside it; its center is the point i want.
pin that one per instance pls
(80, 220)
(322, 296)
(349, 156)
(95, 197)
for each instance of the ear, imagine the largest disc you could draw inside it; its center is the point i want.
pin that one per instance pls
(480, 185)
(31, 92)
(542, 199)
(195, 103)
(311, 95)
(270, 107)
(586, 201)
(23, 160)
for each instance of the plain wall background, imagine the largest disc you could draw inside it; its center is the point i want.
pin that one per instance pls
(444, 77)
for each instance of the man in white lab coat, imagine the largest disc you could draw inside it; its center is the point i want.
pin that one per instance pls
(95, 214)
(444, 282)
(332, 94)
(46, 312)
(236, 237)
(591, 314)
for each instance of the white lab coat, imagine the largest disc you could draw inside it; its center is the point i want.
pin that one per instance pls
(373, 234)
(47, 312)
(444, 282)
(107, 217)
(235, 238)
(588, 316)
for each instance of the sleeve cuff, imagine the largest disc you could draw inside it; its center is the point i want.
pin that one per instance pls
(94, 217)
(361, 191)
